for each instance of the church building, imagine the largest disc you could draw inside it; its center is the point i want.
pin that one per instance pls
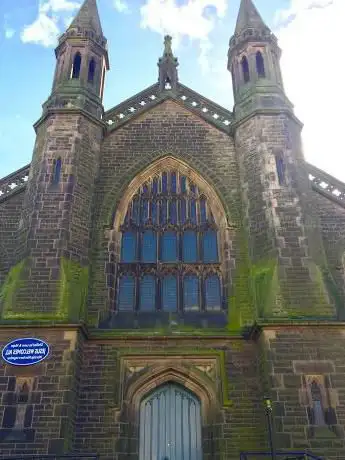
(171, 272)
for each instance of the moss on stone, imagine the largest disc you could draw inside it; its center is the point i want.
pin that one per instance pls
(265, 286)
(71, 300)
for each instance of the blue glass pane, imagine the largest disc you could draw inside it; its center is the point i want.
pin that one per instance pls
(202, 211)
(183, 212)
(164, 182)
(57, 171)
(144, 211)
(155, 186)
(128, 247)
(145, 188)
(173, 182)
(164, 204)
(147, 293)
(212, 292)
(149, 247)
(190, 252)
(154, 212)
(193, 211)
(126, 293)
(183, 184)
(191, 293)
(173, 212)
(210, 251)
(135, 211)
(169, 293)
(169, 247)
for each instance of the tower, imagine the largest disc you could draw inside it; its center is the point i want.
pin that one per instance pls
(51, 274)
(284, 239)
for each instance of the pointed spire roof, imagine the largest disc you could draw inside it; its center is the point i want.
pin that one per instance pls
(87, 18)
(248, 17)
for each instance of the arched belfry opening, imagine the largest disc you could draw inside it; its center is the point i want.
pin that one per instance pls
(170, 424)
(170, 228)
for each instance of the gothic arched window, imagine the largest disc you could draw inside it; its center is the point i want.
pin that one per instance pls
(169, 258)
(318, 411)
(260, 65)
(76, 66)
(245, 69)
(57, 171)
(92, 70)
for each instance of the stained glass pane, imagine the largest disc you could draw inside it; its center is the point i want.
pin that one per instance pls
(190, 252)
(173, 182)
(135, 210)
(183, 184)
(169, 293)
(128, 247)
(144, 211)
(202, 211)
(210, 250)
(154, 212)
(212, 293)
(164, 182)
(192, 188)
(147, 293)
(191, 292)
(126, 293)
(169, 247)
(145, 188)
(173, 212)
(193, 211)
(183, 213)
(149, 247)
(164, 204)
(155, 186)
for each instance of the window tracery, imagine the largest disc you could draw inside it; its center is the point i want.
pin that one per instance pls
(169, 248)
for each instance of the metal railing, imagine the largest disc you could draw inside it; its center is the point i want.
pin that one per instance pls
(279, 455)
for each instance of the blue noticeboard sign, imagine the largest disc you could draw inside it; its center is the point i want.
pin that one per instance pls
(25, 351)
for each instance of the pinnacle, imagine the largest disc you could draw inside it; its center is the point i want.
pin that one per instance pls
(87, 18)
(248, 17)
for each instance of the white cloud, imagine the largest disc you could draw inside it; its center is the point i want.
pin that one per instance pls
(9, 32)
(194, 19)
(121, 6)
(312, 66)
(47, 26)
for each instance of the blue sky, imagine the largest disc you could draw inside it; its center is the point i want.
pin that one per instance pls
(201, 30)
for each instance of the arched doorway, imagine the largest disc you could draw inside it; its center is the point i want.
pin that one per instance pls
(170, 425)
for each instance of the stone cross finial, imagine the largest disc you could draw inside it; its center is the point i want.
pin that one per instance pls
(167, 67)
(167, 44)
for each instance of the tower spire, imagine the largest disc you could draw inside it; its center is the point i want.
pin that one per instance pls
(248, 17)
(167, 64)
(87, 18)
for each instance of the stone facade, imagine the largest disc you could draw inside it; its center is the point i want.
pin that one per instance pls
(278, 331)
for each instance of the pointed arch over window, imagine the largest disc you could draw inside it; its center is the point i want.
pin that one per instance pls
(57, 170)
(76, 67)
(170, 220)
(245, 69)
(260, 65)
(91, 71)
